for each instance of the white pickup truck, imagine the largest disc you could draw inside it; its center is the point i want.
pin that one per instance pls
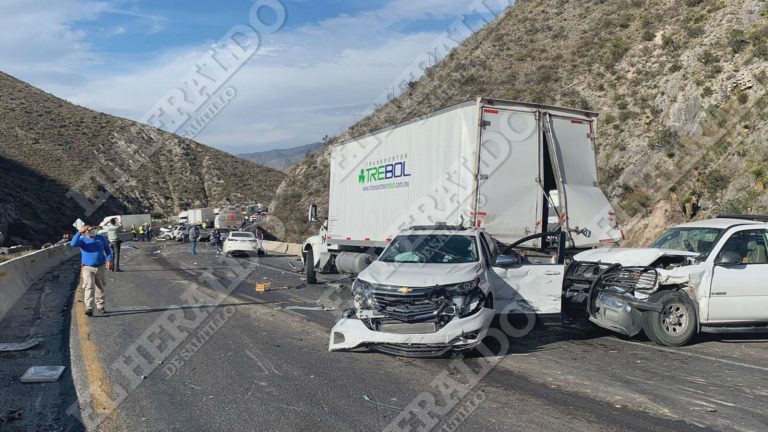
(704, 276)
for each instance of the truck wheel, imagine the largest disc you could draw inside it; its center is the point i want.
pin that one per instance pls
(309, 267)
(676, 324)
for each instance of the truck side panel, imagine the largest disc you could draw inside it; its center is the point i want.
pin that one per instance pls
(418, 173)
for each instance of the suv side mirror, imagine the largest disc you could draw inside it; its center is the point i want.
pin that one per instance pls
(313, 212)
(728, 258)
(506, 261)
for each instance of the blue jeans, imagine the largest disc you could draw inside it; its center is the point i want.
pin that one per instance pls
(194, 247)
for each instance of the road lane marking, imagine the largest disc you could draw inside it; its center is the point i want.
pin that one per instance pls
(690, 354)
(98, 385)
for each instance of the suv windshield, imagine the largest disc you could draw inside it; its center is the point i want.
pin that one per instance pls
(699, 240)
(432, 249)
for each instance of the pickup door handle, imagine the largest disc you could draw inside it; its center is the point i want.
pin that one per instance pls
(552, 272)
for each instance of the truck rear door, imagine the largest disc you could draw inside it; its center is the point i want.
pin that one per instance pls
(508, 193)
(586, 211)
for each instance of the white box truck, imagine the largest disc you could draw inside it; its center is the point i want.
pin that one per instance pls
(499, 165)
(200, 215)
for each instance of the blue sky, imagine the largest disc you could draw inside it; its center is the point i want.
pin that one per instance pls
(314, 76)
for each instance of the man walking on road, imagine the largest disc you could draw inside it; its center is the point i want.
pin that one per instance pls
(194, 234)
(95, 255)
(113, 235)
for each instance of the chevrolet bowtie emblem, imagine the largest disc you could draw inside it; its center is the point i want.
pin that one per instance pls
(405, 290)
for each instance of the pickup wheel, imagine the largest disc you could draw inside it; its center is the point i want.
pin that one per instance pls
(309, 267)
(676, 324)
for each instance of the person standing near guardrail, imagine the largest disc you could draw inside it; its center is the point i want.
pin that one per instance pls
(95, 255)
(113, 235)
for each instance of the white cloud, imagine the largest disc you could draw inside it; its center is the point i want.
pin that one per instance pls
(306, 82)
(39, 42)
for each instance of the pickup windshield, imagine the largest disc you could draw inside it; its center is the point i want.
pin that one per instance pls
(431, 249)
(699, 240)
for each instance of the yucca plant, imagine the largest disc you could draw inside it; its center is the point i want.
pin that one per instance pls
(760, 174)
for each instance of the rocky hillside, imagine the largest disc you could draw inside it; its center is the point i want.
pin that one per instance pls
(49, 147)
(680, 86)
(281, 159)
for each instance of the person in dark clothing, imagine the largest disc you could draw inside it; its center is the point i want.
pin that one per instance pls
(216, 240)
(194, 235)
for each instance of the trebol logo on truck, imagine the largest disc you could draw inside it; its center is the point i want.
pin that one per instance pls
(375, 173)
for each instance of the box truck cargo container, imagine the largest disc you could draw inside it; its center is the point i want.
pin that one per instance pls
(200, 216)
(499, 165)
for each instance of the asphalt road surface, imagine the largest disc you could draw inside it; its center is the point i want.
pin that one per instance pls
(188, 343)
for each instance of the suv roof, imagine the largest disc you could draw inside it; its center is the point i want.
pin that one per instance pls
(720, 222)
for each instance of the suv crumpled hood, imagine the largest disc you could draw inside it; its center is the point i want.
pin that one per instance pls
(418, 274)
(629, 257)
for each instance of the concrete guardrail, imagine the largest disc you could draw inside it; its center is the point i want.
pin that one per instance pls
(282, 248)
(18, 274)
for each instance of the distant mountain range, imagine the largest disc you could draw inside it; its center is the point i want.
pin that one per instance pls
(281, 159)
(50, 148)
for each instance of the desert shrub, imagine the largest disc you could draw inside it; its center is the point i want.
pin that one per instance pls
(668, 42)
(716, 181)
(708, 57)
(737, 40)
(637, 201)
(665, 140)
(742, 97)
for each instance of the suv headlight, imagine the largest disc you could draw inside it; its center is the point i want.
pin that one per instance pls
(360, 286)
(462, 288)
(467, 297)
(361, 291)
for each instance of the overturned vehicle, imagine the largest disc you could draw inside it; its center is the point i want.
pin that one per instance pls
(704, 276)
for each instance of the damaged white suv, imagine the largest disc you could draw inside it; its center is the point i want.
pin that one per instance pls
(429, 292)
(708, 276)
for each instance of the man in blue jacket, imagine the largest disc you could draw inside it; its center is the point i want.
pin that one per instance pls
(95, 254)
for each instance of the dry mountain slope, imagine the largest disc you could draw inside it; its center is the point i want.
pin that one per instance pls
(281, 159)
(680, 85)
(48, 146)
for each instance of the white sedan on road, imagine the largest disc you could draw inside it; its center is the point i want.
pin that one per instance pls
(241, 243)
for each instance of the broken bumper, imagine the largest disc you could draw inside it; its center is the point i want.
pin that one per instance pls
(611, 300)
(464, 333)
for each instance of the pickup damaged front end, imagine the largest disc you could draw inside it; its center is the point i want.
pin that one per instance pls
(615, 286)
(414, 321)
(615, 297)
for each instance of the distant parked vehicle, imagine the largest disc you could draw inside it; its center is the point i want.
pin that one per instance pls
(165, 233)
(241, 243)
